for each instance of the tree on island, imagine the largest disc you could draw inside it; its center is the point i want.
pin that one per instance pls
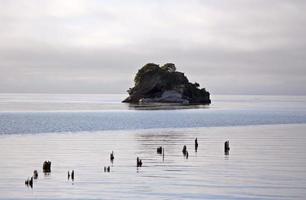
(170, 67)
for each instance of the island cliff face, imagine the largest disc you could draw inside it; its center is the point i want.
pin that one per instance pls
(155, 84)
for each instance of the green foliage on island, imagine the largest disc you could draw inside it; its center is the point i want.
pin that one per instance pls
(151, 82)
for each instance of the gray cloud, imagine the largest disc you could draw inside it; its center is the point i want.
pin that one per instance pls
(78, 46)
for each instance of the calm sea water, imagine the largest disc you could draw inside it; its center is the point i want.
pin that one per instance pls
(78, 132)
(43, 113)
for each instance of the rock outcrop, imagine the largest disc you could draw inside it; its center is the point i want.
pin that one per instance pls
(155, 84)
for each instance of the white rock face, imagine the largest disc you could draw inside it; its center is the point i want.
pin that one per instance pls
(169, 96)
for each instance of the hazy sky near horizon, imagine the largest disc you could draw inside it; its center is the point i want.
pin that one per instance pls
(84, 46)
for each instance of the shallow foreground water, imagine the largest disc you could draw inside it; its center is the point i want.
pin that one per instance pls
(265, 162)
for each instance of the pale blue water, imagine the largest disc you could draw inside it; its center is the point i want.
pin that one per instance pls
(266, 161)
(41, 113)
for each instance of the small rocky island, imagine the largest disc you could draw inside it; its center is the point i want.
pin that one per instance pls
(155, 84)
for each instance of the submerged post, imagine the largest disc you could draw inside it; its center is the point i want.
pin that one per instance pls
(107, 169)
(112, 157)
(184, 150)
(159, 150)
(35, 174)
(196, 145)
(29, 182)
(138, 162)
(226, 147)
(47, 167)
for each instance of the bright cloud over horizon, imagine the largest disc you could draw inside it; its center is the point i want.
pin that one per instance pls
(84, 46)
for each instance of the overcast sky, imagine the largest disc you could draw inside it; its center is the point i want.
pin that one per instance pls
(83, 46)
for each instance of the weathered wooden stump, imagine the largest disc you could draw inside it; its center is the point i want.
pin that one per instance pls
(226, 147)
(112, 157)
(184, 150)
(47, 167)
(196, 145)
(139, 162)
(35, 174)
(159, 150)
(29, 182)
(107, 169)
(26, 182)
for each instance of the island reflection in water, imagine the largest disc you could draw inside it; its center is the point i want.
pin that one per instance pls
(164, 106)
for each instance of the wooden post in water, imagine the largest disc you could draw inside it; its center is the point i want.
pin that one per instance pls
(226, 147)
(35, 174)
(138, 162)
(47, 167)
(184, 150)
(112, 157)
(29, 182)
(196, 145)
(159, 150)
